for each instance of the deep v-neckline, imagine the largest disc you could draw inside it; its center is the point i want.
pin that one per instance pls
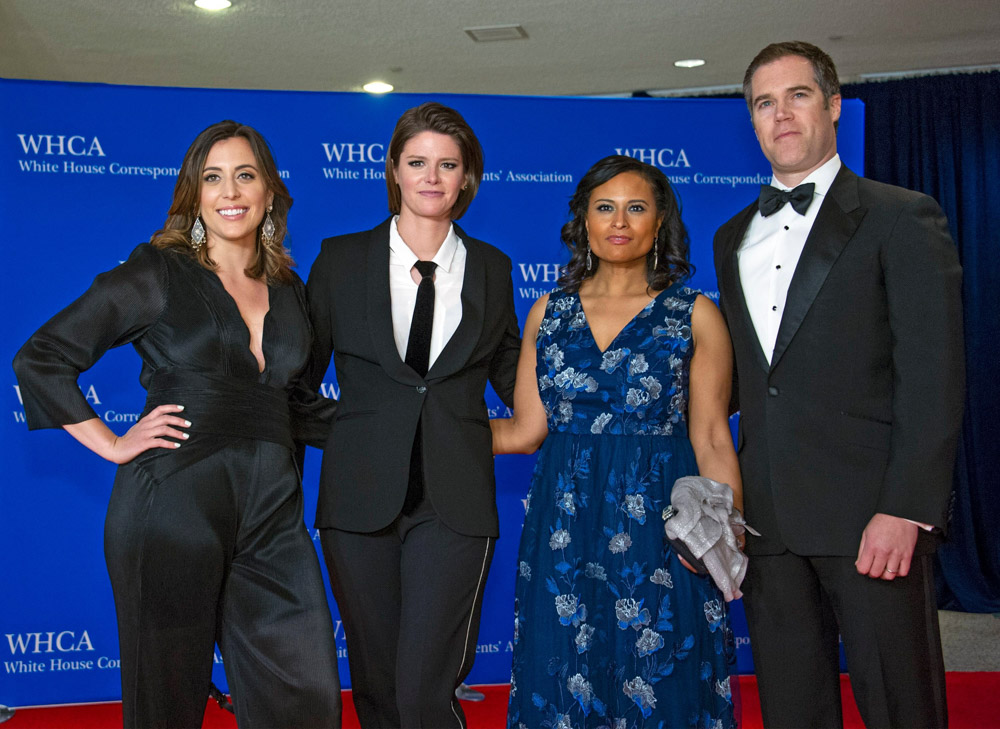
(625, 327)
(246, 327)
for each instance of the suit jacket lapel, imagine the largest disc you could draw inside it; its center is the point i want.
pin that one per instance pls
(457, 350)
(380, 307)
(838, 218)
(731, 282)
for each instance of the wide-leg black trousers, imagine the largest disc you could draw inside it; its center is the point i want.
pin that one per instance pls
(210, 547)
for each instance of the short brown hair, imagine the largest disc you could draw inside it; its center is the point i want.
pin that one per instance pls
(823, 69)
(274, 262)
(434, 117)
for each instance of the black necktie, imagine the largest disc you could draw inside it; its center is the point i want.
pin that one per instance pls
(772, 199)
(418, 346)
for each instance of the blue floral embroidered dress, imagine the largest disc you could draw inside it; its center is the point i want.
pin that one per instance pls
(610, 629)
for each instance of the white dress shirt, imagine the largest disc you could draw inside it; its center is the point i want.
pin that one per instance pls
(448, 278)
(770, 252)
(768, 256)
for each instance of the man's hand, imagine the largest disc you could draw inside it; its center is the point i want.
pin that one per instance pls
(886, 547)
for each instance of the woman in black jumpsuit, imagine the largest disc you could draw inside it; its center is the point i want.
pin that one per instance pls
(204, 538)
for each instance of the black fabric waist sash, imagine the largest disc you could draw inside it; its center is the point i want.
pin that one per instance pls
(224, 405)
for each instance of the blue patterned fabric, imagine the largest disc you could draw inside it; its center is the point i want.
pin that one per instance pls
(610, 629)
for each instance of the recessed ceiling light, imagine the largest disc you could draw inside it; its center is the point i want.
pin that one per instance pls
(377, 87)
(690, 63)
(486, 33)
(212, 4)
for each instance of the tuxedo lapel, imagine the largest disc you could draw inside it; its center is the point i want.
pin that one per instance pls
(380, 307)
(457, 350)
(731, 282)
(838, 218)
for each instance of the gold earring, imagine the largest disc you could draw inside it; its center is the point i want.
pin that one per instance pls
(197, 233)
(267, 230)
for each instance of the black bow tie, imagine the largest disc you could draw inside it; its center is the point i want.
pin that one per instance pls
(772, 199)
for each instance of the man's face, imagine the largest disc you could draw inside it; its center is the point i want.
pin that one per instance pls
(794, 124)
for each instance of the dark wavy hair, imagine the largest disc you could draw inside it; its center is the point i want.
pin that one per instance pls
(274, 261)
(671, 246)
(434, 117)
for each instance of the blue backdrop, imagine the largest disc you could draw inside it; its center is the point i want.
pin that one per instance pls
(87, 172)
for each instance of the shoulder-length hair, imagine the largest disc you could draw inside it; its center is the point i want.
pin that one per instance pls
(670, 249)
(434, 117)
(273, 262)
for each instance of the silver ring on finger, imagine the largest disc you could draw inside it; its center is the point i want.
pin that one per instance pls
(891, 572)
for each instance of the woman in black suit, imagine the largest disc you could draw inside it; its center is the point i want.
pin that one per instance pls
(418, 316)
(204, 537)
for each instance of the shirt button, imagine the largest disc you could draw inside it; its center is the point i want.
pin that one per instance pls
(773, 391)
(421, 389)
(778, 266)
(774, 308)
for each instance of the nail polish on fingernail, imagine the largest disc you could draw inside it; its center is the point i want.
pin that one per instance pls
(187, 423)
(180, 407)
(177, 445)
(186, 435)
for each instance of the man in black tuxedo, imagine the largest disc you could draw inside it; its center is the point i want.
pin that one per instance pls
(407, 508)
(842, 297)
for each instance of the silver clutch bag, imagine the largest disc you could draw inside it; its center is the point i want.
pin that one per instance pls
(702, 526)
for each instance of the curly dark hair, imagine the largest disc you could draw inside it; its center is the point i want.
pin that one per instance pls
(670, 249)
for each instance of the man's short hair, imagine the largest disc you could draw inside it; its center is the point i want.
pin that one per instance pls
(823, 69)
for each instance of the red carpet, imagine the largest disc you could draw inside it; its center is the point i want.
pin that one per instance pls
(972, 704)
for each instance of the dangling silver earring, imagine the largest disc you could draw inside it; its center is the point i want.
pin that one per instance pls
(590, 262)
(267, 230)
(656, 251)
(197, 233)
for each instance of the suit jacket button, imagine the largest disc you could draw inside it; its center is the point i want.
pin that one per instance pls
(421, 389)
(773, 391)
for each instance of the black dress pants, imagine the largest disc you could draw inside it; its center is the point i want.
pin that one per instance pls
(214, 549)
(795, 606)
(410, 597)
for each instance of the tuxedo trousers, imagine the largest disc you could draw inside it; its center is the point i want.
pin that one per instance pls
(796, 606)
(206, 544)
(410, 598)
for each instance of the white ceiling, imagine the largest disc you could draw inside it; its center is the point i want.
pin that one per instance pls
(573, 46)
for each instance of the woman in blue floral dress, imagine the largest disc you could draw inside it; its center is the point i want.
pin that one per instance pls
(625, 373)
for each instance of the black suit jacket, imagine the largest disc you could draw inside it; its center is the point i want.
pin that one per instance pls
(860, 408)
(365, 469)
